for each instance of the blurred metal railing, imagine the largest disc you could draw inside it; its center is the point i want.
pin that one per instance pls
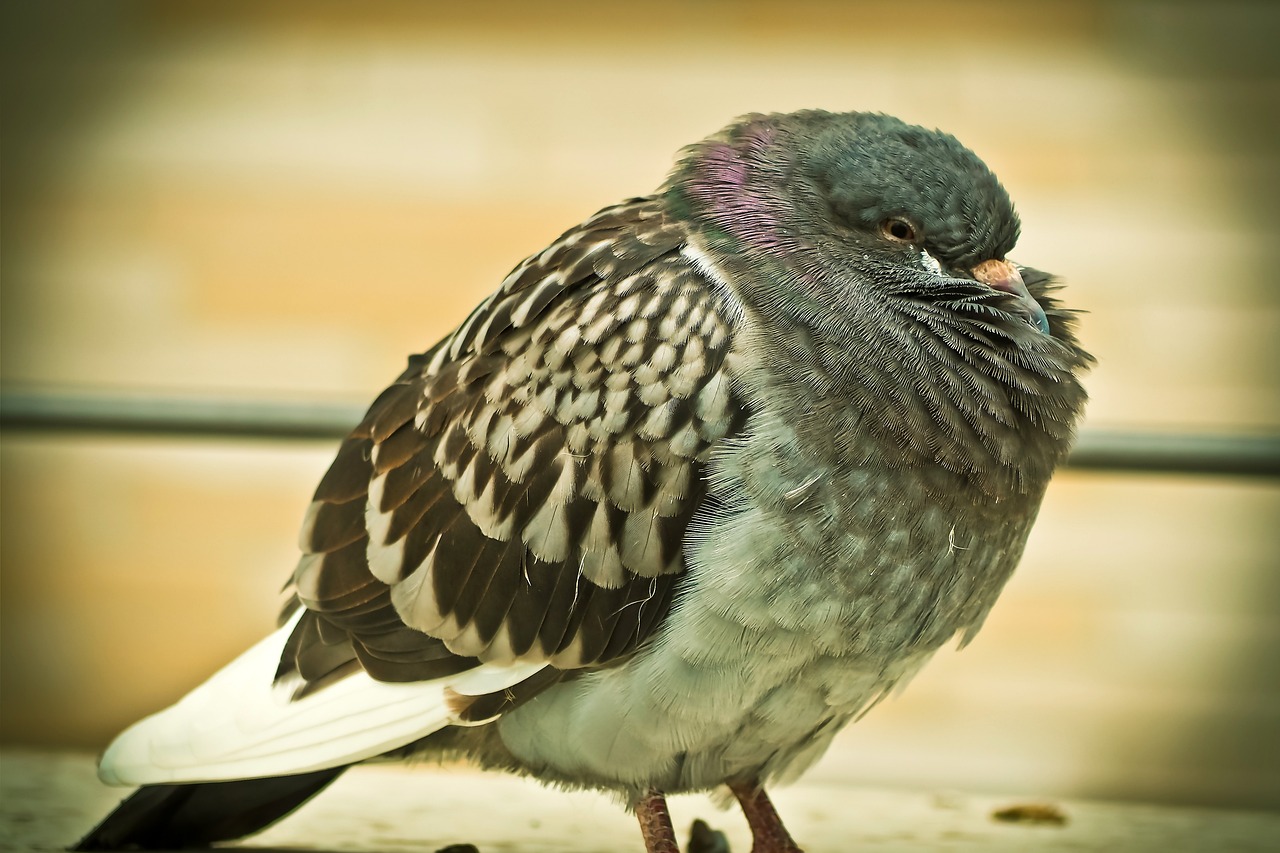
(49, 411)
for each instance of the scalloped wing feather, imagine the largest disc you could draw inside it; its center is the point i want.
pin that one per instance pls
(521, 492)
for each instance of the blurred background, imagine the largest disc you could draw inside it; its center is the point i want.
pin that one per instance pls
(283, 201)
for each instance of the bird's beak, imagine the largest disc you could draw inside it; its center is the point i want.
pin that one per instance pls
(1003, 276)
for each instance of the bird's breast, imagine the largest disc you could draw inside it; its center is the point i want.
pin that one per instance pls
(867, 559)
(820, 571)
(811, 590)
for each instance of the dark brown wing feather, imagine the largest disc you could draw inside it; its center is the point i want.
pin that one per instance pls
(522, 490)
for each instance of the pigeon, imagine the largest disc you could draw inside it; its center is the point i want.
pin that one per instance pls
(696, 487)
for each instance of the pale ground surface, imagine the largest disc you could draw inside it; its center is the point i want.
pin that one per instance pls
(47, 800)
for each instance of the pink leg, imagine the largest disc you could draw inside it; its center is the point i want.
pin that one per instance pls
(767, 832)
(655, 824)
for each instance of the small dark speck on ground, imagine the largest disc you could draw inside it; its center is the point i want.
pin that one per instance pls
(1033, 813)
(459, 848)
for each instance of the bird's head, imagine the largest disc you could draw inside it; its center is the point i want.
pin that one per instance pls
(859, 201)
(877, 252)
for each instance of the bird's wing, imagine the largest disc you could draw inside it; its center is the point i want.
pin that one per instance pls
(511, 508)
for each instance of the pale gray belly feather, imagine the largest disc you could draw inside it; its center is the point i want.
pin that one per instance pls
(807, 598)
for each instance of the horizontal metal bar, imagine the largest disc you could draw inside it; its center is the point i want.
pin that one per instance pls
(206, 417)
(215, 417)
(1240, 454)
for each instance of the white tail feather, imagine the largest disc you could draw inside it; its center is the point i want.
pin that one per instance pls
(240, 724)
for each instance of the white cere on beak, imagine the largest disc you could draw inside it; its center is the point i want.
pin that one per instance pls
(930, 263)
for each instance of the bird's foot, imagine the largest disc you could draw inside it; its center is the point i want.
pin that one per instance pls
(767, 832)
(655, 824)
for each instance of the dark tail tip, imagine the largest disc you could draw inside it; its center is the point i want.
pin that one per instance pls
(183, 817)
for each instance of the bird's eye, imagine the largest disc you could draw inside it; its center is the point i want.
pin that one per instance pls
(898, 230)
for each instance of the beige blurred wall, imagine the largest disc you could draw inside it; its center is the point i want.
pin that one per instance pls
(286, 200)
